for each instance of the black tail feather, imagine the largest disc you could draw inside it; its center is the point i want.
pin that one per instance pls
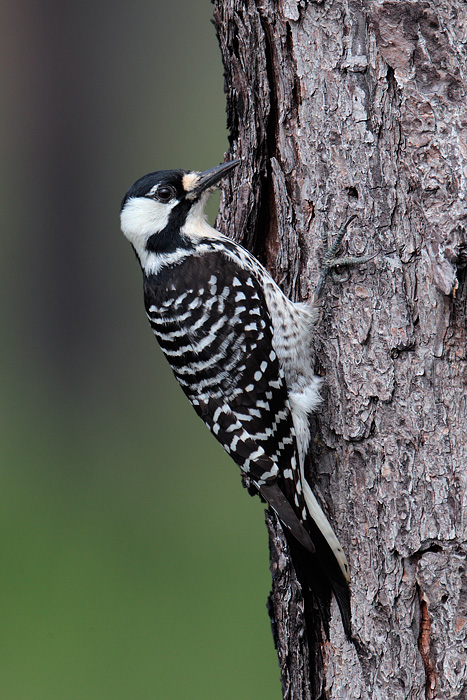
(321, 574)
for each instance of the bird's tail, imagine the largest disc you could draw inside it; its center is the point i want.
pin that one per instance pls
(320, 574)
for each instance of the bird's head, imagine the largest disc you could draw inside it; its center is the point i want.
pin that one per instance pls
(166, 208)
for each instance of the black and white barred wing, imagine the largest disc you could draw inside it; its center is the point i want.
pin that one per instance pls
(212, 323)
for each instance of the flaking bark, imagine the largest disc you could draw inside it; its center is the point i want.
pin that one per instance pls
(360, 107)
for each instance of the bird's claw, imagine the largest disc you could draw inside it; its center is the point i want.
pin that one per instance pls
(330, 261)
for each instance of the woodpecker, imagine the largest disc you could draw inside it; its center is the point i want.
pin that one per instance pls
(241, 351)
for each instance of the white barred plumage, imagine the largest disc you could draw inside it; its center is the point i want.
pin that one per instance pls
(240, 350)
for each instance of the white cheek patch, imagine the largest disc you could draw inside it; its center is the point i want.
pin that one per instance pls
(142, 217)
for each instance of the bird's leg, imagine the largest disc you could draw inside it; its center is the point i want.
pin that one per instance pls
(330, 261)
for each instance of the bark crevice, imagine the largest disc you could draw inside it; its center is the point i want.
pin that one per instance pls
(424, 645)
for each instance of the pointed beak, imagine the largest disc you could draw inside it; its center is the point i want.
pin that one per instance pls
(211, 177)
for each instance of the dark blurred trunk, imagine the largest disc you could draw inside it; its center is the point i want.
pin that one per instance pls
(360, 107)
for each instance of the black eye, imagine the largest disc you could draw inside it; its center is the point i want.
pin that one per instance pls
(164, 193)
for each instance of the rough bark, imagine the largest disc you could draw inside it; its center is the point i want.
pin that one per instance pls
(359, 106)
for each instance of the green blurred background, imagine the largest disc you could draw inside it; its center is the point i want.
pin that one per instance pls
(133, 565)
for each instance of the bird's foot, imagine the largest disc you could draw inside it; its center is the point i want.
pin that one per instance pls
(330, 261)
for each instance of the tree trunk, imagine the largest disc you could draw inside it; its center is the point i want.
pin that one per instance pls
(360, 107)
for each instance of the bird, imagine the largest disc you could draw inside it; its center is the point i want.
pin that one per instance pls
(241, 351)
